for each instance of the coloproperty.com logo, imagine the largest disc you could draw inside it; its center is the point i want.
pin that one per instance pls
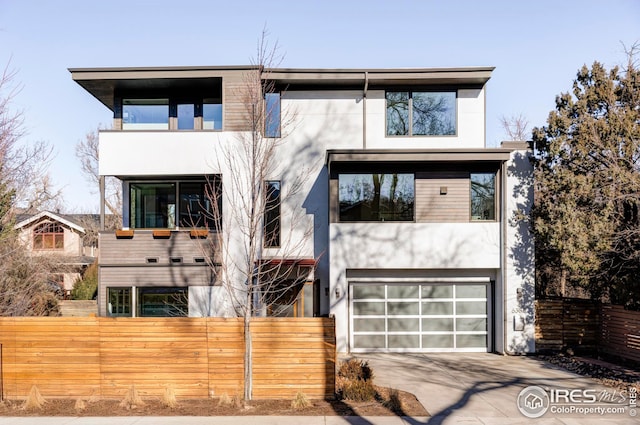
(535, 401)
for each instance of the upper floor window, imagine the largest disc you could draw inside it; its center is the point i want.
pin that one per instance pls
(48, 236)
(421, 113)
(376, 197)
(483, 196)
(186, 116)
(153, 204)
(272, 115)
(145, 114)
(272, 214)
(211, 114)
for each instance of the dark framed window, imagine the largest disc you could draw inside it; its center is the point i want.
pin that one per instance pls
(272, 121)
(119, 302)
(163, 302)
(196, 207)
(272, 192)
(376, 197)
(212, 114)
(48, 236)
(153, 204)
(145, 114)
(421, 113)
(483, 196)
(186, 114)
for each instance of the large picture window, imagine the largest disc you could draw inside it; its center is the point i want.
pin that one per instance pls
(376, 197)
(421, 113)
(145, 114)
(153, 204)
(163, 302)
(48, 236)
(483, 196)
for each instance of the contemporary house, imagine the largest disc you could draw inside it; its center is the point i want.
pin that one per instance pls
(65, 238)
(417, 241)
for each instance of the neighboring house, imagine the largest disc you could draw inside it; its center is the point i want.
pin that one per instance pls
(416, 242)
(65, 238)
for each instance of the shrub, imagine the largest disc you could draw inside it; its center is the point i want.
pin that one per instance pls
(300, 401)
(132, 399)
(355, 381)
(85, 288)
(169, 398)
(34, 400)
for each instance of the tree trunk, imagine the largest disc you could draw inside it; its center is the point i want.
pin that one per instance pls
(248, 353)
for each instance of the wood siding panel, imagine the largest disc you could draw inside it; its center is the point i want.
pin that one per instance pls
(143, 245)
(234, 102)
(433, 207)
(196, 357)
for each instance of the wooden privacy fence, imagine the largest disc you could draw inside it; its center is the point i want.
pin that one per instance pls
(620, 332)
(568, 322)
(196, 357)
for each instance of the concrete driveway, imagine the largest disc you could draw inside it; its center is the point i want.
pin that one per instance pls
(483, 388)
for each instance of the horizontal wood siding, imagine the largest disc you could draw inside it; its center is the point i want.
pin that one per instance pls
(234, 103)
(620, 332)
(432, 206)
(196, 357)
(143, 245)
(152, 275)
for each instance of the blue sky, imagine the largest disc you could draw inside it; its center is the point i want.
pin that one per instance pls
(536, 46)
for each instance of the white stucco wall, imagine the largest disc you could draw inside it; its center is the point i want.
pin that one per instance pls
(520, 266)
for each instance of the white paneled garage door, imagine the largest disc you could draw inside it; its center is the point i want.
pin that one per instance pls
(419, 317)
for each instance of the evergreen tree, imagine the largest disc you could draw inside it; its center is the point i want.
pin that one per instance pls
(587, 186)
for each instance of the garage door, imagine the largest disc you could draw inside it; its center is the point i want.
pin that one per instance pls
(419, 317)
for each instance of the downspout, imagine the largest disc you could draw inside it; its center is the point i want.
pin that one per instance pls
(364, 110)
(503, 249)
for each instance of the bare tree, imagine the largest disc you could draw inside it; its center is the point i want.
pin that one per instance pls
(516, 127)
(259, 247)
(87, 151)
(24, 288)
(23, 167)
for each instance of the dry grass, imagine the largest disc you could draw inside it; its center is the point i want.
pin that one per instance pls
(300, 401)
(132, 399)
(225, 400)
(169, 398)
(80, 405)
(34, 400)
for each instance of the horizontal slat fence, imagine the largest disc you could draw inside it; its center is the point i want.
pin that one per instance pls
(567, 323)
(620, 332)
(196, 357)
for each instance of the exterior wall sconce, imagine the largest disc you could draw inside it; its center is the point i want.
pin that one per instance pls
(443, 190)
(337, 292)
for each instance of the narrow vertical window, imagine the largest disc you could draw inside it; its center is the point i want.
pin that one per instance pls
(483, 196)
(272, 115)
(272, 214)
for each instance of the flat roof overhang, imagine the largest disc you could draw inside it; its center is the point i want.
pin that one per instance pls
(379, 77)
(102, 83)
(416, 156)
